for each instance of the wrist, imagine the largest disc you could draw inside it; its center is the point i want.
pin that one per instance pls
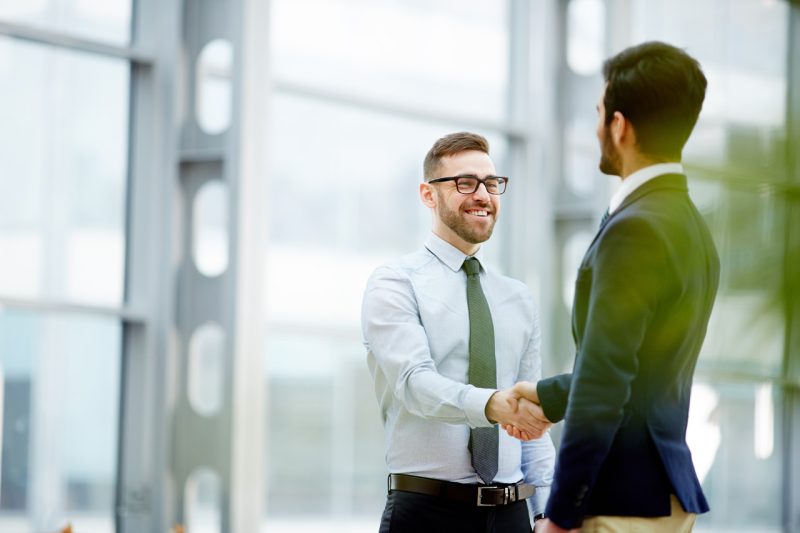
(490, 411)
(475, 406)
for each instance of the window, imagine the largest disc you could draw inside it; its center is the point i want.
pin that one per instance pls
(63, 178)
(343, 182)
(447, 55)
(60, 400)
(108, 20)
(63, 165)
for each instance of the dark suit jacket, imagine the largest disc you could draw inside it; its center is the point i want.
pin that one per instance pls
(643, 297)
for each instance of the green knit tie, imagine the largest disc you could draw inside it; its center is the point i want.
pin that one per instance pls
(482, 369)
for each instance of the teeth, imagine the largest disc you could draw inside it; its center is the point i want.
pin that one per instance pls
(478, 213)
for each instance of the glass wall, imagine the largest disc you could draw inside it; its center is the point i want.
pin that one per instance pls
(63, 177)
(61, 198)
(59, 431)
(736, 152)
(108, 21)
(346, 159)
(737, 164)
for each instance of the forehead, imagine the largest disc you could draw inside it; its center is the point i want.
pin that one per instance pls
(466, 162)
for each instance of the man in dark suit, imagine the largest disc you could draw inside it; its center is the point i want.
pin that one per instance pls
(643, 297)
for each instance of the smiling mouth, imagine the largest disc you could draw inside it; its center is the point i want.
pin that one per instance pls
(478, 212)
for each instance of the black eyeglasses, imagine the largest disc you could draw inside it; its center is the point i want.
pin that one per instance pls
(470, 184)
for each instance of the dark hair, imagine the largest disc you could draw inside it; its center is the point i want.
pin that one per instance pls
(450, 144)
(660, 89)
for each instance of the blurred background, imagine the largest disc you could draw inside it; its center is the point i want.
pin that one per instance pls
(193, 193)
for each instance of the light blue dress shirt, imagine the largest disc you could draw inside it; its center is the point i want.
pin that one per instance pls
(415, 324)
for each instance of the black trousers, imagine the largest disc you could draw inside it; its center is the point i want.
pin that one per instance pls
(408, 512)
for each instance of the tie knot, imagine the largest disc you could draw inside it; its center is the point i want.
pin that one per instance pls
(471, 266)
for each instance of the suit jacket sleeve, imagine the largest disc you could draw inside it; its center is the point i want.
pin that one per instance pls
(553, 393)
(621, 285)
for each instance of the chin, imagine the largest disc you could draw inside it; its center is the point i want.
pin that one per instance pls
(478, 239)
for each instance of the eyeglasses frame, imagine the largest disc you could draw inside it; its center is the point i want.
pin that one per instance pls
(480, 181)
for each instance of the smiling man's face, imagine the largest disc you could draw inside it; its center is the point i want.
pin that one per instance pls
(465, 220)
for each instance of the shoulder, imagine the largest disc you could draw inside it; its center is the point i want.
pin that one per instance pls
(403, 268)
(636, 230)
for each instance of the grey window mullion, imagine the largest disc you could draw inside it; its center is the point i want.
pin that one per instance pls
(65, 40)
(125, 314)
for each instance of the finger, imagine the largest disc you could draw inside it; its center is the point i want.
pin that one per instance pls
(515, 432)
(525, 436)
(526, 389)
(534, 410)
(531, 419)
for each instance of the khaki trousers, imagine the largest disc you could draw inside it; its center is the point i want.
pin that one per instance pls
(678, 522)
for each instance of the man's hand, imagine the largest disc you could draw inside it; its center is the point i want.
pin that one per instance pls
(546, 526)
(526, 389)
(527, 399)
(534, 410)
(512, 410)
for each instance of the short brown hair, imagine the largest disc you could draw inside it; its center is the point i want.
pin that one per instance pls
(660, 89)
(450, 144)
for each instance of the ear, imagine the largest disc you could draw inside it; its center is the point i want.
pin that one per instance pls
(427, 195)
(618, 127)
(622, 130)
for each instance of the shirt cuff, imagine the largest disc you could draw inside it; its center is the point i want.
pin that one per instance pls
(538, 502)
(475, 401)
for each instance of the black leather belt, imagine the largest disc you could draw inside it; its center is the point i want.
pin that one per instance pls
(480, 495)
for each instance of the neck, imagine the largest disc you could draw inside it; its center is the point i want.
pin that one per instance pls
(450, 237)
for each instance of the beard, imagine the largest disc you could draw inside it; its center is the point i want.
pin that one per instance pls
(609, 157)
(458, 223)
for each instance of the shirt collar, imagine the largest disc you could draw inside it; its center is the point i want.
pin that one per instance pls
(447, 253)
(639, 178)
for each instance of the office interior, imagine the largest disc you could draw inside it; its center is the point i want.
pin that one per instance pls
(194, 192)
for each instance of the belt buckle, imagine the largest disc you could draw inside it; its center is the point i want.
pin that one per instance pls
(506, 496)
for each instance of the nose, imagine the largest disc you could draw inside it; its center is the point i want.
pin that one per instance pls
(481, 193)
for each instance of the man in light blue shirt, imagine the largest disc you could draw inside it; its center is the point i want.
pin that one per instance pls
(419, 331)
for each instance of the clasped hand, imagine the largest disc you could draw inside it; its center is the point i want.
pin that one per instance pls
(518, 411)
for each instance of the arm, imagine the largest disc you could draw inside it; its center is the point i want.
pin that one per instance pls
(398, 343)
(552, 394)
(627, 273)
(396, 339)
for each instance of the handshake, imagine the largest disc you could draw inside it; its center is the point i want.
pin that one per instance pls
(518, 412)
